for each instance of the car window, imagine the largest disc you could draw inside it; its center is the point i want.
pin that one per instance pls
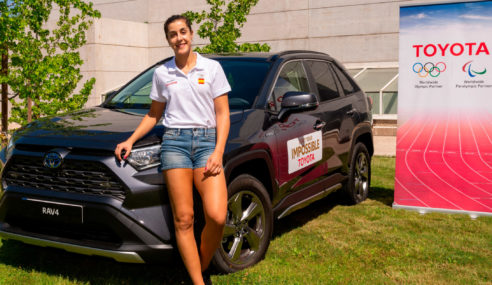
(325, 80)
(135, 94)
(292, 77)
(245, 77)
(347, 84)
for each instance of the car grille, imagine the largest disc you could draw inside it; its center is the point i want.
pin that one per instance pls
(73, 176)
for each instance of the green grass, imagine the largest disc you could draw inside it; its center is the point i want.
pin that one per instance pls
(325, 243)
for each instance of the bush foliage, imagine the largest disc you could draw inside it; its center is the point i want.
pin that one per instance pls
(44, 62)
(222, 24)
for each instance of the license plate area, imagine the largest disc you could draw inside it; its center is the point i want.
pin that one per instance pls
(54, 211)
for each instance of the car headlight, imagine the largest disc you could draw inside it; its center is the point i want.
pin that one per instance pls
(145, 157)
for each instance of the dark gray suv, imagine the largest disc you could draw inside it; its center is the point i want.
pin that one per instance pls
(300, 129)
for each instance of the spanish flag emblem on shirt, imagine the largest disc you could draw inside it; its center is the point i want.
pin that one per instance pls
(201, 80)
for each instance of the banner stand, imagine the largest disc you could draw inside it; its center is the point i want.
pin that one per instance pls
(444, 136)
(422, 211)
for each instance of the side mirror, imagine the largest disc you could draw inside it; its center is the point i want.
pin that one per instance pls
(294, 101)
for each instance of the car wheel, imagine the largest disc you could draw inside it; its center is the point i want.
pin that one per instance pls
(360, 175)
(248, 227)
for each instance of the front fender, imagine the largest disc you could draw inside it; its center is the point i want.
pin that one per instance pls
(250, 156)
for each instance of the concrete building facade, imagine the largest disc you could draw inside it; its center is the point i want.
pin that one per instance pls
(362, 34)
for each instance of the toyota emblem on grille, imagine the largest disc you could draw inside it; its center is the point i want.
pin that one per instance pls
(52, 160)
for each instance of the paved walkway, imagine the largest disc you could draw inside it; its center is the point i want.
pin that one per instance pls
(385, 145)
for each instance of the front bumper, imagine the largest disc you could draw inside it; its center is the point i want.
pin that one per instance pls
(105, 231)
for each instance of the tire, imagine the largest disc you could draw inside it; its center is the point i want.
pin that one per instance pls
(357, 188)
(248, 228)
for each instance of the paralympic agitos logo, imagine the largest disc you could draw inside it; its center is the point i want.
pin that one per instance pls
(467, 67)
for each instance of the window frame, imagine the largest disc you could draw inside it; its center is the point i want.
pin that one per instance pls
(350, 79)
(277, 74)
(314, 86)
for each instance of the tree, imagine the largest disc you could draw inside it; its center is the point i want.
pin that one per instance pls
(222, 24)
(42, 66)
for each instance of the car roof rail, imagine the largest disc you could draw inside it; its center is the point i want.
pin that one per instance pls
(287, 52)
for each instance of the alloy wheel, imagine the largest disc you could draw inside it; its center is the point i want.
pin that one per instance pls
(361, 176)
(245, 227)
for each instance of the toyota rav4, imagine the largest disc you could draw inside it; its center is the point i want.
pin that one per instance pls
(300, 129)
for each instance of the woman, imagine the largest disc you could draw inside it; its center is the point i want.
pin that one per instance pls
(193, 91)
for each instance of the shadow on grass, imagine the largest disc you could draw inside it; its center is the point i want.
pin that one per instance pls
(383, 195)
(325, 205)
(301, 217)
(88, 269)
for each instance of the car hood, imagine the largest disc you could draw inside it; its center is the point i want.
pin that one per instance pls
(94, 128)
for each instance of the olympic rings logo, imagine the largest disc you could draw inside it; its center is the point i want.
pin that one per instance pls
(429, 68)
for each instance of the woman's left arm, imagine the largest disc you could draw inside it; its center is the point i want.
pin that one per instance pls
(214, 163)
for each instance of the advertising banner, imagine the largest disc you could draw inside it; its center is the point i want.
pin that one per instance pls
(444, 137)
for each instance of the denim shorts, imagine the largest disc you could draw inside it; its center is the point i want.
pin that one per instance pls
(186, 148)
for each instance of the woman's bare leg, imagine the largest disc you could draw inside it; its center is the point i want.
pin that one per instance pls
(213, 191)
(179, 183)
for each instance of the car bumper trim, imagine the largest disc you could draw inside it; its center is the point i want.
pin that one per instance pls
(120, 256)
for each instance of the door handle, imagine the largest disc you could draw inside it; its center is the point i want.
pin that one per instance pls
(319, 125)
(351, 112)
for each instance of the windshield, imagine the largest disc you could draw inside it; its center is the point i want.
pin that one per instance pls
(245, 77)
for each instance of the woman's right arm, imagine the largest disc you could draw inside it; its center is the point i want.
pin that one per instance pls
(147, 123)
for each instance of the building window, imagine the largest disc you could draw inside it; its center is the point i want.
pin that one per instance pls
(381, 84)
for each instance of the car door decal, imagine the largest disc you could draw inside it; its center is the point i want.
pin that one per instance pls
(304, 151)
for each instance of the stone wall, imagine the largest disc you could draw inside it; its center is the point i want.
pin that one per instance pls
(130, 35)
(115, 52)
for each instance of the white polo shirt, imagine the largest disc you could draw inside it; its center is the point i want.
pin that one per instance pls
(189, 97)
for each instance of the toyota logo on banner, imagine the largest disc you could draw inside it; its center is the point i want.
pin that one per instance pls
(52, 160)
